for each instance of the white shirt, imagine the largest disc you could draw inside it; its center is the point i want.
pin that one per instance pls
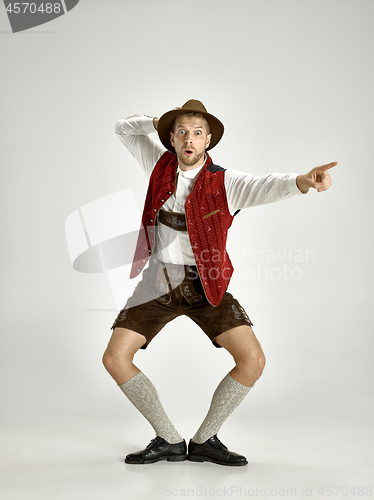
(243, 190)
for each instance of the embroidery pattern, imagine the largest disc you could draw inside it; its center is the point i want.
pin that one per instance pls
(175, 275)
(240, 314)
(237, 314)
(165, 299)
(191, 296)
(175, 222)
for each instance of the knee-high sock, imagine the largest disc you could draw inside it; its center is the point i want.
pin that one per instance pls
(143, 395)
(228, 395)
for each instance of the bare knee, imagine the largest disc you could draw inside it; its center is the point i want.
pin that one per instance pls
(259, 362)
(252, 366)
(112, 360)
(118, 357)
(109, 360)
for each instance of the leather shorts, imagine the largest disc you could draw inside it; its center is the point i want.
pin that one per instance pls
(167, 291)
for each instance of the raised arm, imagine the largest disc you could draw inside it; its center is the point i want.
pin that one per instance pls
(245, 190)
(134, 134)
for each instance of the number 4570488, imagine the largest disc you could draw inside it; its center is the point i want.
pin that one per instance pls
(18, 7)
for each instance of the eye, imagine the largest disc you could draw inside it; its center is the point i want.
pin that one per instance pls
(181, 131)
(198, 132)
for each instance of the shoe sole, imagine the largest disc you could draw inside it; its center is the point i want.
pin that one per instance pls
(203, 458)
(169, 458)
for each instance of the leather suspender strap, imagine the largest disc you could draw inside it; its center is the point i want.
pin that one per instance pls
(173, 220)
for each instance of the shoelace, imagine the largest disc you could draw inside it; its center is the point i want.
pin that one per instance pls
(222, 446)
(152, 441)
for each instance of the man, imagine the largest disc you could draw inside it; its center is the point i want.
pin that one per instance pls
(190, 204)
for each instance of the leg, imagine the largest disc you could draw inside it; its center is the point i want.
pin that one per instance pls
(246, 350)
(118, 357)
(118, 360)
(242, 344)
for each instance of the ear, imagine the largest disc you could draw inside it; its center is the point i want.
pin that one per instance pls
(172, 138)
(208, 138)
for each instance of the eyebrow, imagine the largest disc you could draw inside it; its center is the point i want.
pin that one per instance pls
(181, 126)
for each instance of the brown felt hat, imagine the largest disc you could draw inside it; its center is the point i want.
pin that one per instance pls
(166, 121)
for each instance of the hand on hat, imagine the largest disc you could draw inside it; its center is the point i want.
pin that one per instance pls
(318, 178)
(155, 120)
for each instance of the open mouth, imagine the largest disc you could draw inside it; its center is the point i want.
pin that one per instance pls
(188, 152)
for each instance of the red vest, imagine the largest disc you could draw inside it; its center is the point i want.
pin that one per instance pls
(207, 217)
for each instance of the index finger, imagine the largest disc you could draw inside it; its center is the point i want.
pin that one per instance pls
(327, 166)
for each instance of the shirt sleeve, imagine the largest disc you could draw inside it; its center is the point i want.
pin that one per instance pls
(134, 134)
(246, 190)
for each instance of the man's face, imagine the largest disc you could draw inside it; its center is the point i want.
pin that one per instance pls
(190, 138)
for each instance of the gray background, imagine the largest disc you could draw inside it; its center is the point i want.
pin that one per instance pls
(292, 82)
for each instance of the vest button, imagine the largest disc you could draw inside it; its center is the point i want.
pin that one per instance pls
(162, 200)
(154, 210)
(151, 220)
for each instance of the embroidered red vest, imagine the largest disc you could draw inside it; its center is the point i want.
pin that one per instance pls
(207, 218)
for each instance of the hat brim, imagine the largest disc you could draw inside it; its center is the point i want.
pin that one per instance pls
(166, 121)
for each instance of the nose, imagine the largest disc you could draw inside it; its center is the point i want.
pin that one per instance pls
(188, 137)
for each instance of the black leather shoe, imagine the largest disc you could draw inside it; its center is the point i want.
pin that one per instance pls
(159, 449)
(214, 451)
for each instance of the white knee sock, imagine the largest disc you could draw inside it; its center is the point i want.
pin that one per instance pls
(228, 395)
(143, 395)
